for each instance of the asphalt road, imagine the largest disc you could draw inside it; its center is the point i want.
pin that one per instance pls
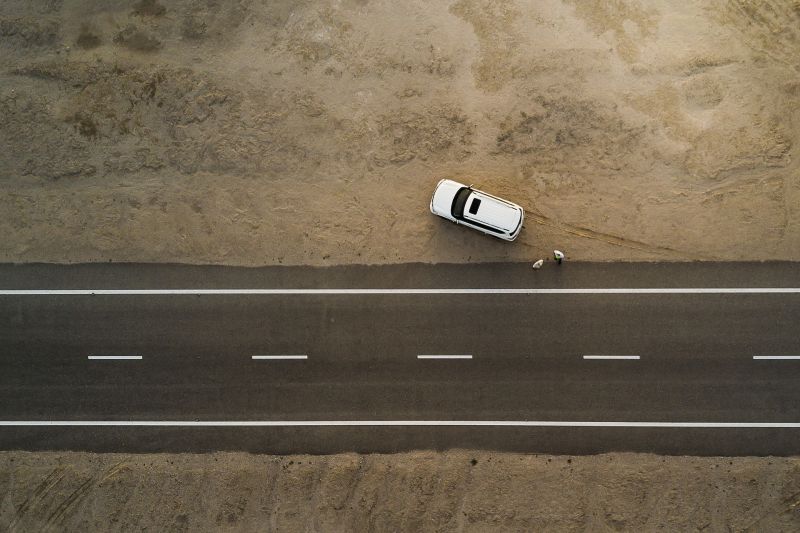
(692, 361)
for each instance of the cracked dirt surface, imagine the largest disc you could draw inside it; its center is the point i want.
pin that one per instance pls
(454, 491)
(312, 132)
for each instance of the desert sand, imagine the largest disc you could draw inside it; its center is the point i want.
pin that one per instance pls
(313, 132)
(453, 491)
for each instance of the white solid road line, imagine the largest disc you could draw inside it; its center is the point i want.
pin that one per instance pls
(382, 423)
(116, 357)
(276, 357)
(147, 292)
(776, 357)
(444, 357)
(636, 357)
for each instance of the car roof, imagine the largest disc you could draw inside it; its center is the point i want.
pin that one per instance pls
(493, 211)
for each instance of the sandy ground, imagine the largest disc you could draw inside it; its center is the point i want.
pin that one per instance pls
(456, 491)
(312, 132)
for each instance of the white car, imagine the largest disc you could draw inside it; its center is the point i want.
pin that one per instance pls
(481, 211)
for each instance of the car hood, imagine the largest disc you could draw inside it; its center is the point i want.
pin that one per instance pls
(442, 201)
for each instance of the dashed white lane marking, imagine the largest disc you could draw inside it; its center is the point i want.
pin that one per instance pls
(611, 357)
(116, 357)
(775, 357)
(145, 292)
(444, 357)
(278, 357)
(409, 423)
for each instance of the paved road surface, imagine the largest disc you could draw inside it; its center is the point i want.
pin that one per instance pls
(565, 371)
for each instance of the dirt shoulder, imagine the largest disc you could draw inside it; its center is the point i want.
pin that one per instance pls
(312, 132)
(454, 491)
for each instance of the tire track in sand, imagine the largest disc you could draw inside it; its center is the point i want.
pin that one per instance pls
(614, 240)
(51, 480)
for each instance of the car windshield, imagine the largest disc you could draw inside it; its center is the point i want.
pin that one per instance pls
(460, 201)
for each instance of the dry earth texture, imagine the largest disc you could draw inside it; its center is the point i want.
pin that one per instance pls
(313, 131)
(456, 491)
